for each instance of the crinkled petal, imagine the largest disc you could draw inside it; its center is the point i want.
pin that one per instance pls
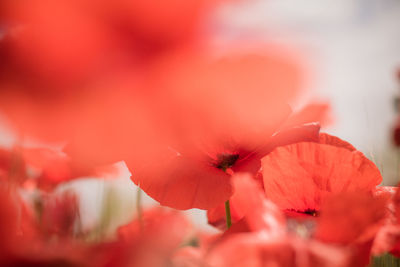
(328, 139)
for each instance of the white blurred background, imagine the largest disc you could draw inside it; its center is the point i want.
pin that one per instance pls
(353, 49)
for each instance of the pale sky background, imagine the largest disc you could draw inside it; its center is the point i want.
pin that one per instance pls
(353, 48)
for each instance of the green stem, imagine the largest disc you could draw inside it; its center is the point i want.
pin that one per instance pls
(228, 214)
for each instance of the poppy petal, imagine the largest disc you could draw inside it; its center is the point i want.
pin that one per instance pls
(183, 183)
(328, 139)
(304, 133)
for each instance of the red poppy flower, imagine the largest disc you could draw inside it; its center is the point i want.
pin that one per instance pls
(212, 136)
(185, 182)
(301, 176)
(252, 164)
(217, 216)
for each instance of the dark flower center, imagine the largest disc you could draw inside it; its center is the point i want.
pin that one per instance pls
(225, 161)
(313, 213)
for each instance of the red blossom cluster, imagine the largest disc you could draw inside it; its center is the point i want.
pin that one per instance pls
(198, 126)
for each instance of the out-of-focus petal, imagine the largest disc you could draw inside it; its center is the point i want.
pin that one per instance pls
(235, 99)
(52, 43)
